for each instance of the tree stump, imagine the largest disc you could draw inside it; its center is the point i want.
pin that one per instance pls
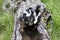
(19, 6)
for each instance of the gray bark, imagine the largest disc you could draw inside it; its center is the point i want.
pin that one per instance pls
(19, 9)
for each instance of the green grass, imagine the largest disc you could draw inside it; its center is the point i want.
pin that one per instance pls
(7, 22)
(54, 7)
(6, 26)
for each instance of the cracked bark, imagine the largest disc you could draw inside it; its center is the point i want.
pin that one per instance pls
(19, 8)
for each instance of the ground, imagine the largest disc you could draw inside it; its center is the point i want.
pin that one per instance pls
(7, 21)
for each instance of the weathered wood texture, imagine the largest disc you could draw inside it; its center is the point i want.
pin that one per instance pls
(19, 6)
